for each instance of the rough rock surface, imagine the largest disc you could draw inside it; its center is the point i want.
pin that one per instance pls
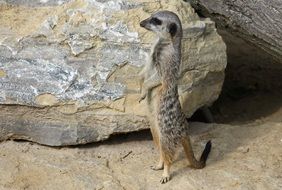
(243, 157)
(69, 69)
(258, 22)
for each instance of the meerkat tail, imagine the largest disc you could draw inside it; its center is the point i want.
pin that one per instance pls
(206, 152)
(190, 155)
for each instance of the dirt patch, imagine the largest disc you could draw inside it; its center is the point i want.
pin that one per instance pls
(242, 157)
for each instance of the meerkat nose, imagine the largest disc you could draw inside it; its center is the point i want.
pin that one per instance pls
(143, 23)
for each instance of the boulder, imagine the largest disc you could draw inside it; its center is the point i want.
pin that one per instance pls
(69, 69)
(257, 22)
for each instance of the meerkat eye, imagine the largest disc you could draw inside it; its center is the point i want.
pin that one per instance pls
(155, 21)
(172, 29)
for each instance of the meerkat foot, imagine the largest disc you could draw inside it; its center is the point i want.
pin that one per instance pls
(164, 179)
(160, 165)
(157, 167)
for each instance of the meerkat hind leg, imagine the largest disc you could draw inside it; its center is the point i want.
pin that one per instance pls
(167, 158)
(166, 173)
(160, 165)
(166, 176)
(156, 139)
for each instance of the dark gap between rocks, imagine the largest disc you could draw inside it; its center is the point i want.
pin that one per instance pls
(120, 138)
(252, 87)
(253, 80)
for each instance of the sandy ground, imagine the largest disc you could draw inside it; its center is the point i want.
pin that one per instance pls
(243, 157)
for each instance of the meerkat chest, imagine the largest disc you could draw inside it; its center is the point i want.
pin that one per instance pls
(161, 55)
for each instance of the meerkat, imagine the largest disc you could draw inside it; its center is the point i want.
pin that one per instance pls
(170, 124)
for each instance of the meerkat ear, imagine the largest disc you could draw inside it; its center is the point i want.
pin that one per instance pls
(172, 28)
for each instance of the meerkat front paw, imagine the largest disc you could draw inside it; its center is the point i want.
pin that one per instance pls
(142, 98)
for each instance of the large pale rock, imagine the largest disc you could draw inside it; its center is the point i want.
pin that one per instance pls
(69, 69)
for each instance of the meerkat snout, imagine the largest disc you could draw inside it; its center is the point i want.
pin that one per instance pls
(143, 23)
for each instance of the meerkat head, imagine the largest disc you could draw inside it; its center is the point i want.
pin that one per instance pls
(165, 24)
